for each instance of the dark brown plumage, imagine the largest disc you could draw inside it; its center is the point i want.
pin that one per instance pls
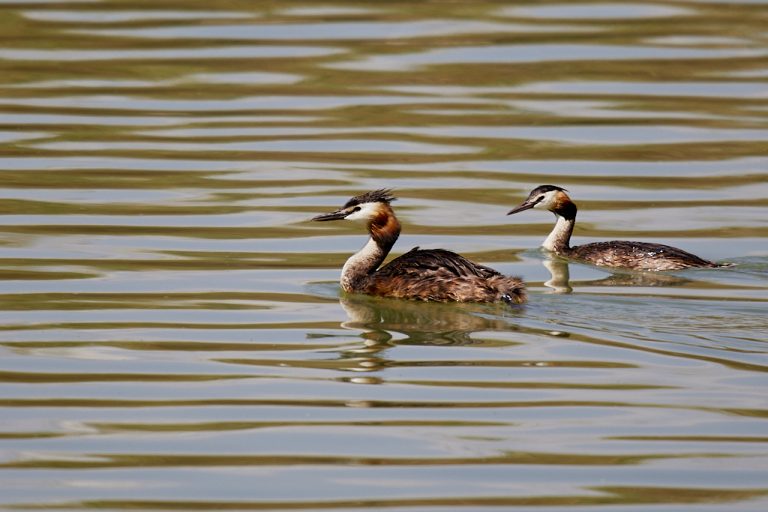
(421, 274)
(617, 253)
(440, 275)
(638, 255)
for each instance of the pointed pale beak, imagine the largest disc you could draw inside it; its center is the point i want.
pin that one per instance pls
(522, 207)
(337, 215)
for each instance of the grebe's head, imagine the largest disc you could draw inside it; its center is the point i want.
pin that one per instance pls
(546, 197)
(366, 207)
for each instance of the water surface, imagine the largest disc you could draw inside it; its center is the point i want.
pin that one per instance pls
(172, 335)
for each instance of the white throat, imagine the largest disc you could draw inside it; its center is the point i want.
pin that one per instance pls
(361, 263)
(560, 236)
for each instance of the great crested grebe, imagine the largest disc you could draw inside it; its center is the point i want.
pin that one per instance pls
(617, 253)
(421, 274)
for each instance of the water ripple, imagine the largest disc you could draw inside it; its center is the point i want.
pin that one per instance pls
(172, 335)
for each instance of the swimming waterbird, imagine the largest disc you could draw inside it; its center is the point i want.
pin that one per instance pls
(421, 274)
(616, 253)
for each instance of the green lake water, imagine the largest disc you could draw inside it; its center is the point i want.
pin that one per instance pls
(172, 334)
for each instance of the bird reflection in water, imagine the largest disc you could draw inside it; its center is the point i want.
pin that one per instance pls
(383, 321)
(560, 277)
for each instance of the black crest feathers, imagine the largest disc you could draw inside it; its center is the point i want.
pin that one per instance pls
(546, 188)
(383, 195)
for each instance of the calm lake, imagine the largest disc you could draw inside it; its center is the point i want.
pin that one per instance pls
(172, 332)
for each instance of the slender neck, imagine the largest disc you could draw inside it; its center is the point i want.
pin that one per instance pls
(559, 239)
(384, 230)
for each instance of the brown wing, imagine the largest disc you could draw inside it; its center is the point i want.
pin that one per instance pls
(425, 262)
(638, 255)
(440, 275)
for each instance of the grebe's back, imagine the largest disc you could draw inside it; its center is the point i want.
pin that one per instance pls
(440, 275)
(421, 274)
(639, 256)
